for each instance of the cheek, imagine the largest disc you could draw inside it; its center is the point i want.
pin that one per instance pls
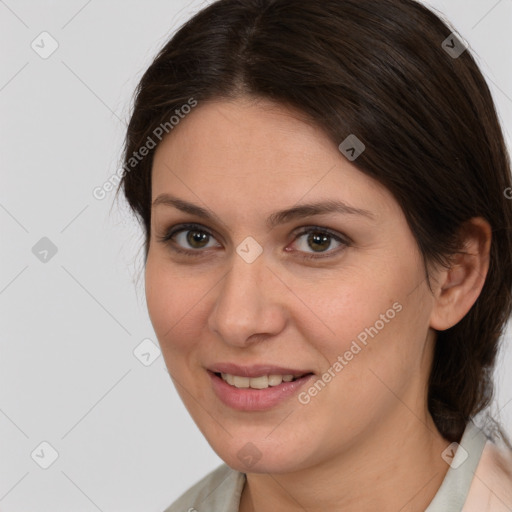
(347, 307)
(174, 302)
(370, 320)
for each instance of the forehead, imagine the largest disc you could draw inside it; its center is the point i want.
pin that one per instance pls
(252, 153)
(251, 131)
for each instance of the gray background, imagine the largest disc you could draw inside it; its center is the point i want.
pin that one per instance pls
(69, 326)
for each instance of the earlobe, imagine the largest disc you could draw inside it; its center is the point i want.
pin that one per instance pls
(460, 286)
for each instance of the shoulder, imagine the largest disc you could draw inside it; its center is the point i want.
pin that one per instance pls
(218, 490)
(491, 487)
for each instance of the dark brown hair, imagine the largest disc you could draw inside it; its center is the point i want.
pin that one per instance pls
(376, 69)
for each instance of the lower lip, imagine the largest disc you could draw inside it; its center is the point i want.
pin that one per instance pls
(248, 399)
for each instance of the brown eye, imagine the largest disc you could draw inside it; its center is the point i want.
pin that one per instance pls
(189, 239)
(319, 241)
(194, 239)
(316, 242)
(197, 239)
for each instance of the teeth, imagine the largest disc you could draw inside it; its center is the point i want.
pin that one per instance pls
(275, 380)
(262, 382)
(241, 382)
(258, 382)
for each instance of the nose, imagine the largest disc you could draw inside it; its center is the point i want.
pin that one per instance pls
(248, 307)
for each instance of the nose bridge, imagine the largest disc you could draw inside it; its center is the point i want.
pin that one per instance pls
(244, 304)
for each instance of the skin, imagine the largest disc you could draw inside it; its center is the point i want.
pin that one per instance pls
(367, 440)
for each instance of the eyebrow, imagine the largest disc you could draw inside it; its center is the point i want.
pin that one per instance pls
(275, 218)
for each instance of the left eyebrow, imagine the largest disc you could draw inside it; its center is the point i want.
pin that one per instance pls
(274, 219)
(319, 208)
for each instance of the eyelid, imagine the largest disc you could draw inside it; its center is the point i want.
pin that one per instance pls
(186, 226)
(321, 229)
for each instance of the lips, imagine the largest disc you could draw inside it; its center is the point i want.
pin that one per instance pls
(256, 387)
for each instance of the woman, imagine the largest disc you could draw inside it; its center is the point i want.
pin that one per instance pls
(328, 254)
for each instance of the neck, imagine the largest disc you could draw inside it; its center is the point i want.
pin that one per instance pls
(397, 467)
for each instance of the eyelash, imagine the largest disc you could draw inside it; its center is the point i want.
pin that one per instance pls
(167, 239)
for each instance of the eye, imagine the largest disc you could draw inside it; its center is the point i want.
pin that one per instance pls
(320, 240)
(189, 239)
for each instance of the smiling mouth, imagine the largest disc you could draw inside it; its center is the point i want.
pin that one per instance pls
(261, 382)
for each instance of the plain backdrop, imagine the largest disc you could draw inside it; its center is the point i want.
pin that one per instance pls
(82, 389)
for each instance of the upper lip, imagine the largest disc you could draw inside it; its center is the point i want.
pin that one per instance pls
(256, 370)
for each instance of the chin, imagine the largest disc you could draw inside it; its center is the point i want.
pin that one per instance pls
(260, 456)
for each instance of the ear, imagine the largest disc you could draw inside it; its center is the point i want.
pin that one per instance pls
(459, 287)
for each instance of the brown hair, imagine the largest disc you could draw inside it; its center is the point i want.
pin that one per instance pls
(376, 69)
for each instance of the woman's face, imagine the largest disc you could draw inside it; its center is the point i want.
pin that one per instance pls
(334, 294)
